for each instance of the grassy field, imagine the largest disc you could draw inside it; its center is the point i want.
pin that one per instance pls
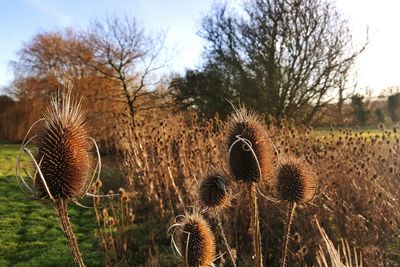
(30, 232)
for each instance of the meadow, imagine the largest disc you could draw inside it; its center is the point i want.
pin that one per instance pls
(157, 171)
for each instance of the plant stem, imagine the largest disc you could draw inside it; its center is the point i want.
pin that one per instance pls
(286, 234)
(68, 232)
(255, 225)
(221, 229)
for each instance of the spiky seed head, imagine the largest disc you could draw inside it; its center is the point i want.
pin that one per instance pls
(197, 241)
(296, 181)
(214, 191)
(251, 153)
(63, 149)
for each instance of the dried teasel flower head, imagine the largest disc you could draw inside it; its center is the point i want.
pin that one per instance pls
(215, 192)
(62, 161)
(195, 239)
(295, 181)
(251, 152)
(124, 195)
(64, 151)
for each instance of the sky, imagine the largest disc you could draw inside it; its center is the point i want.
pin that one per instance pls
(377, 67)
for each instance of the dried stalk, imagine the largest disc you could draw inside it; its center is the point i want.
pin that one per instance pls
(255, 225)
(68, 232)
(286, 235)
(221, 229)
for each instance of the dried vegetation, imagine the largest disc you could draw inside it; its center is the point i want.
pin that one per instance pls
(164, 162)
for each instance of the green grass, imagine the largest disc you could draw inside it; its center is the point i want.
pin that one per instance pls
(30, 232)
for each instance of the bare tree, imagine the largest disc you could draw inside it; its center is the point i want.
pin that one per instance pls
(124, 53)
(346, 88)
(282, 57)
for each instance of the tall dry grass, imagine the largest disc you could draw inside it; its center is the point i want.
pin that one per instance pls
(164, 160)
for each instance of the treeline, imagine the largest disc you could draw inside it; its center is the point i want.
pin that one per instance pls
(383, 110)
(363, 110)
(286, 59)
(110, 65)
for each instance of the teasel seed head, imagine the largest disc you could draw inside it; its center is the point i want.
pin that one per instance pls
(197, 241)
(251, 153)
(215, 192)
(295, 181)
(64, 149)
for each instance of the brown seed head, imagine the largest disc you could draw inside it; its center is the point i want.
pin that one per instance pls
(304, 250)
(105, 214)
(295, 181)
(125, 198)
(63, 149)
(251, 153)
(197, 241)
(214, 192)
(297, 237)
(110, 221)
(131, 216)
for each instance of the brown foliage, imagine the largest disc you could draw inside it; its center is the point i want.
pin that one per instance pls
(110, 66)
(17, 119)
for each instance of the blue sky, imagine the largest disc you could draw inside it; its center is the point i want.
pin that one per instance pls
(20, 20)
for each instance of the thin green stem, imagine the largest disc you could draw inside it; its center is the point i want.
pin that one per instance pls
(68, 232)
(286, 234)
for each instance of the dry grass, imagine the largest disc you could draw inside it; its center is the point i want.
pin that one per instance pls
(163, 162)
(341, 256)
